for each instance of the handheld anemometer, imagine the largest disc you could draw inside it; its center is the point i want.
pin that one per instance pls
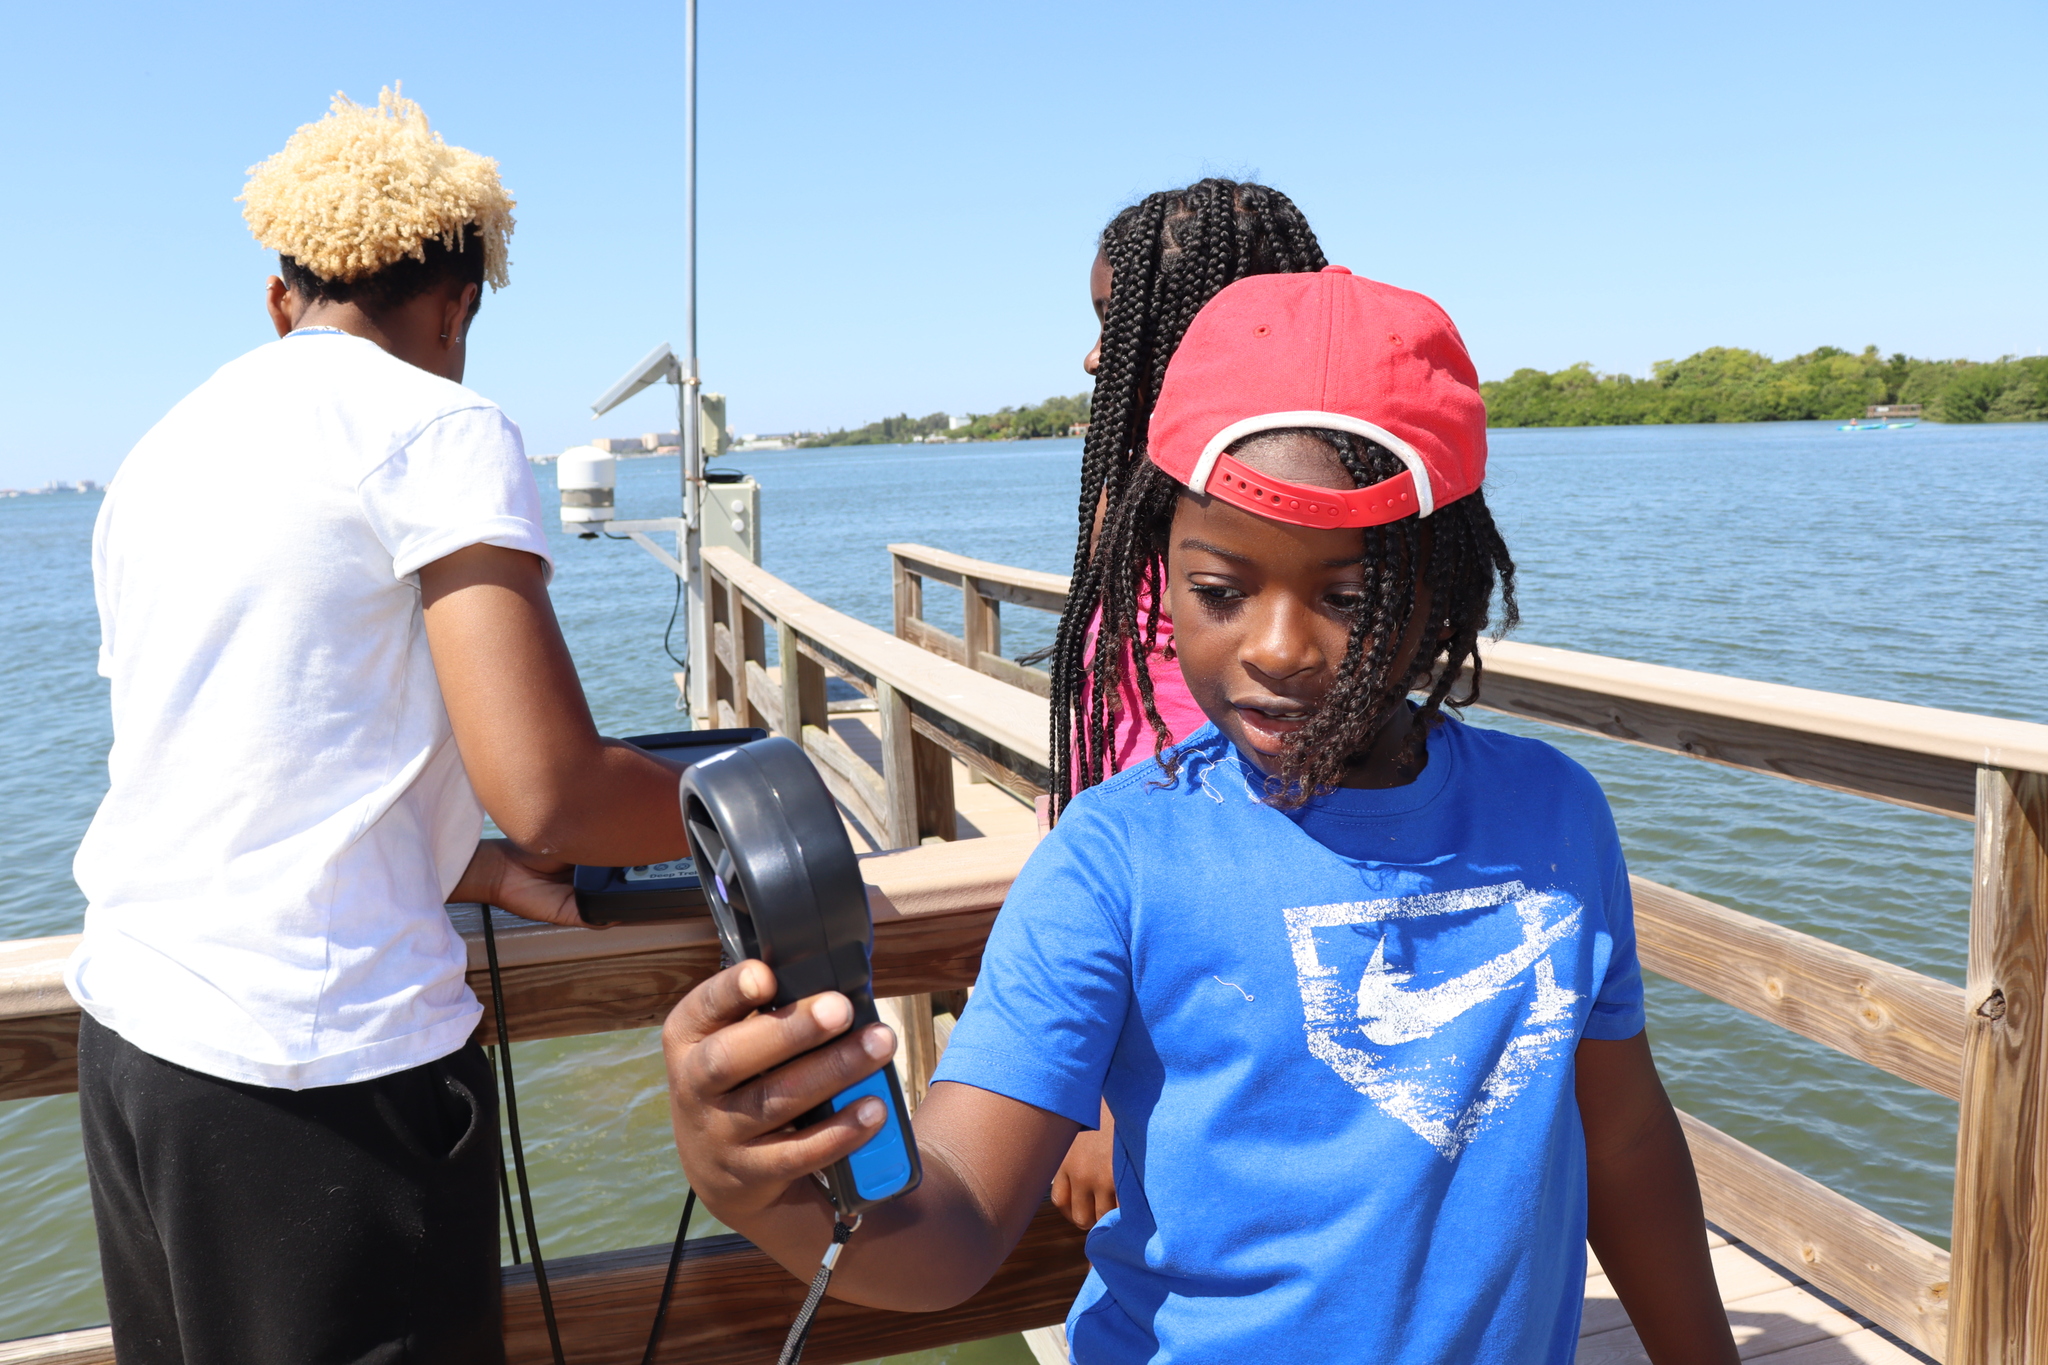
(783, 886)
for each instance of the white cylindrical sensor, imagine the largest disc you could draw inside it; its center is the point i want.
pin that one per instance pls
(586, 476)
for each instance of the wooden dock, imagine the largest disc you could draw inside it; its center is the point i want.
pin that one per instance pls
(936, 782)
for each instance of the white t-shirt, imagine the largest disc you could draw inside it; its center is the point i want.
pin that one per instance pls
(288, 812)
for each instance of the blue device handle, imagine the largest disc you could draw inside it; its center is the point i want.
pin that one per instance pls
(882, 1168)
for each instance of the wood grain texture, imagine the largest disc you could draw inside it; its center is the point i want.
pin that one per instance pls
(1005, 583)
(938, 816)
(2001, 1203)
(39, 1055)
(764, 697)
(899, 768)
(978, 762)
(733, 1305)
(88, 1346)
(851, 781)
(927, 636)
(933, 907)
(1001, 715)
(1897, 1279)
(1036, 681)
(1892, 1017)
(1922, 781)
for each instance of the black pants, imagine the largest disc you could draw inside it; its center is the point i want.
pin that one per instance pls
(345, 1225)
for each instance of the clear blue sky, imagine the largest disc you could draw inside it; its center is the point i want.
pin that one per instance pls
(899, 200)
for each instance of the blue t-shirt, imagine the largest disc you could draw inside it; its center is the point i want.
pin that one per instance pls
(1338, 1045)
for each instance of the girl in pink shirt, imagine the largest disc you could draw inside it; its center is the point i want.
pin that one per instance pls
(1158, 262)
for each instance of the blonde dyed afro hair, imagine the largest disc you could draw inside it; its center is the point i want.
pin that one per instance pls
(364, 188)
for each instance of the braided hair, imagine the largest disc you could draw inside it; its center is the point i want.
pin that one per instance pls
(1458, 554)
(1168, 254)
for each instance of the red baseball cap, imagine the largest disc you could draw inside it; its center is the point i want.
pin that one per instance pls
(1334, 350)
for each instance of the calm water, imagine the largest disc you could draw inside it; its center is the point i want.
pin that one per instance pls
(1904, 565)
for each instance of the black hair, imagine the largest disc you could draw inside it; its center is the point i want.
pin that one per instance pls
(404, 280)
(1458, 553)
(1168, 254)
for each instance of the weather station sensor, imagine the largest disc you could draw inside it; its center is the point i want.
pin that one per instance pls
(587, 478)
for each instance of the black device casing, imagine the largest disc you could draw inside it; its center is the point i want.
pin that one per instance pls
(783, 886)
(627, 895)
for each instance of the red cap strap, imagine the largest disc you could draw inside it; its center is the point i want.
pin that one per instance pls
(1300, 504)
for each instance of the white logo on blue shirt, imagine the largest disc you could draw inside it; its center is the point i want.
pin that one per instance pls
(1399, 1043)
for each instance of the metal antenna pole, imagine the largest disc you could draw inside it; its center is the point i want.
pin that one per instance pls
(689, 539)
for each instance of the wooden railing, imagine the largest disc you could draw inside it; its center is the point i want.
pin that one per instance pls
(984, 587)
(932, 908)
(1984, 1044)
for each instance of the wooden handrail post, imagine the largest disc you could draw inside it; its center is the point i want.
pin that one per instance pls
(719, 688)
(803, 686)
(1999, 1313)
(899, 767)
(982, 626)
(909, 599)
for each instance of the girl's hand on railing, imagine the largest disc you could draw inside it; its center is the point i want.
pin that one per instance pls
(529, 885)
(738, 1079)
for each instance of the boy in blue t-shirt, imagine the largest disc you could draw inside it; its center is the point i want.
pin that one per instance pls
(1357, 982)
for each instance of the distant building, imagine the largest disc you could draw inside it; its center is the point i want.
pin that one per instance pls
(87, 486)
(620, 445)
(655, 440)
(1078, 429)
(954, 423)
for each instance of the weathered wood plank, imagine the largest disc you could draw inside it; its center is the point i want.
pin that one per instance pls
(39, 1055)
(727, 718)
(764, 696)
(899, 767)
(88, 1346)
(1908, 755)
(1004, 582)
(908, 594)
(1899, 1280)
(2001, 1204)
(1893, 1018)
(1033, 680)
(977, 761)
(929, 637)
(803, 685)
(1000, 714)
(852, 782)
(732, 1306)
(933, 907)
(937, 814)
(721, 646)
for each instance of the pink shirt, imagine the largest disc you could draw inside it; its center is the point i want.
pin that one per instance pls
(1134, 739)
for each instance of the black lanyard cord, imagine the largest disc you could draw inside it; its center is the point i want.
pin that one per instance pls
(540, 1270)
(793, 1348)
(668, 1283)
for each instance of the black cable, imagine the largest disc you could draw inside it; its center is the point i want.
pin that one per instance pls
(540, 1270)
(504, 1181)
(668, 1283)
(674, 612)
(800, 1330)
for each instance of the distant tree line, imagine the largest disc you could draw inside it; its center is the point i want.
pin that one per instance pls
(1725, 384)
(1053, 417)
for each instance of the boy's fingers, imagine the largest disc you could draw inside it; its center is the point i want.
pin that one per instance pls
(786, 1094)
(719, 1002)
(736, 1054)
(785, 1156)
